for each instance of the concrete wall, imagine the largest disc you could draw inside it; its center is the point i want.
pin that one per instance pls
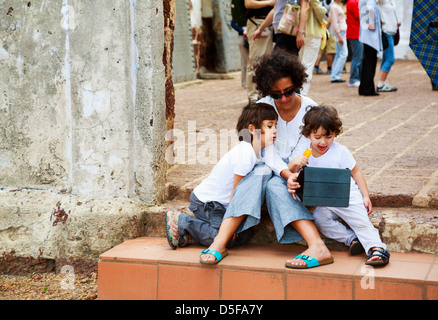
(183, 62)
(226, 37)
(80, 106)
(82, 122)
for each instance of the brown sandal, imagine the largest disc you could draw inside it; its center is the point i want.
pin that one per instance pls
(382, 254)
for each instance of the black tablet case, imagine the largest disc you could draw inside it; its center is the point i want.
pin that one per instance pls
(324, 187)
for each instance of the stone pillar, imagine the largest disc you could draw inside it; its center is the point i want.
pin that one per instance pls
(82, 120)
(82, 104)
(183, 58)
(228, 54)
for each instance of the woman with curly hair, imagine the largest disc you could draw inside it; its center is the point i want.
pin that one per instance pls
(278, 76)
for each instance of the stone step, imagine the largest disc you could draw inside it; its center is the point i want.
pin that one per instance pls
(177, 192)
(403, 229)
(147, 268)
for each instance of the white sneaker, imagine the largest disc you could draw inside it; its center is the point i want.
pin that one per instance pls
(386, 88)
(355, 84)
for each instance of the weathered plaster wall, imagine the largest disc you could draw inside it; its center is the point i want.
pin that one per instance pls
(80, 106)
(83, 90)
(183, 62)
(226, 37)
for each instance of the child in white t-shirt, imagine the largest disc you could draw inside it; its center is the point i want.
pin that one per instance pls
(321, 126)
(256, 127)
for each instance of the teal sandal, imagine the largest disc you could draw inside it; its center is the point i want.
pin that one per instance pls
(311, 262)
(218, 255)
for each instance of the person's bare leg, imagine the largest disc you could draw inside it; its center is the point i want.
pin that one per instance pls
(226, 232)
(316, 247)
(329, 57)
(382, 78)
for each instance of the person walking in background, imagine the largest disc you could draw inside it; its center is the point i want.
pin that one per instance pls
(309, 52)
(244, 51)
(353, 27)
(307, 42)
(390, 24)
(330, 44)
(257, 10)
(287, 42)
(339, 23)
(370, 36)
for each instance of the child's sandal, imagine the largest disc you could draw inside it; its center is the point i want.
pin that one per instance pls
(356, 247)
(382, 254)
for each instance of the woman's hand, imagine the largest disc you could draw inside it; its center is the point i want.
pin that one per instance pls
(292, 185)
(300, 40)
(257, 34)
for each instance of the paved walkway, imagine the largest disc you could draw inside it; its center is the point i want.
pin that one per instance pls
(392, 136)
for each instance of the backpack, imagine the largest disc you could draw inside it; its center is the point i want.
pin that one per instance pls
(238, 12)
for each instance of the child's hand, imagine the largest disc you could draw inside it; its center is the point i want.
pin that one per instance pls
(368, 204)
(297, 163)
(292, 185)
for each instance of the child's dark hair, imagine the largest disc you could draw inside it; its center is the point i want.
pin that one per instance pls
(321, 116)
(255, 114)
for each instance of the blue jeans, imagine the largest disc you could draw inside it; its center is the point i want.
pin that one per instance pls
(388, 57)
(340, 58)
(260, 185)
(204, 226)
(356, 60)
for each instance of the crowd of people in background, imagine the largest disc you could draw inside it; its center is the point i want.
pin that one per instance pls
(335, 30)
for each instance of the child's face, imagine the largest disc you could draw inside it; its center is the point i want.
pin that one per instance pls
(321, 141)
(266, 135)
(269, 132)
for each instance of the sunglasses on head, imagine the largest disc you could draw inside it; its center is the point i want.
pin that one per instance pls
(287, 93)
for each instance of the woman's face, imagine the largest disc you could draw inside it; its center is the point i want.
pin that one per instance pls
(286, 89)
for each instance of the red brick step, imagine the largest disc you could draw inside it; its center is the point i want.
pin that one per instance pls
(147, 268)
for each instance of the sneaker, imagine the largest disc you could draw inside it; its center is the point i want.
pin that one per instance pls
(337, 81)
(186, 240)
(172, 228)
(386, 88)
(354, 84)
(317, 70)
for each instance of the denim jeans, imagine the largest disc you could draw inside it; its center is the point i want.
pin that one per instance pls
(205, 225)
(340, 58)
(388, 57)
(250, 194)
(356, 60)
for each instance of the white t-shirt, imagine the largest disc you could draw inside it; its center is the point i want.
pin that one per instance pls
(288, 136)
(338, 156)
(218, 186)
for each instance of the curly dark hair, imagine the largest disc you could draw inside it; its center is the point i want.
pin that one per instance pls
(321, 116)
(277, 65)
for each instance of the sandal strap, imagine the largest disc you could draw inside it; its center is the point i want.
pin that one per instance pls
(381, 253)
(214, 253)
